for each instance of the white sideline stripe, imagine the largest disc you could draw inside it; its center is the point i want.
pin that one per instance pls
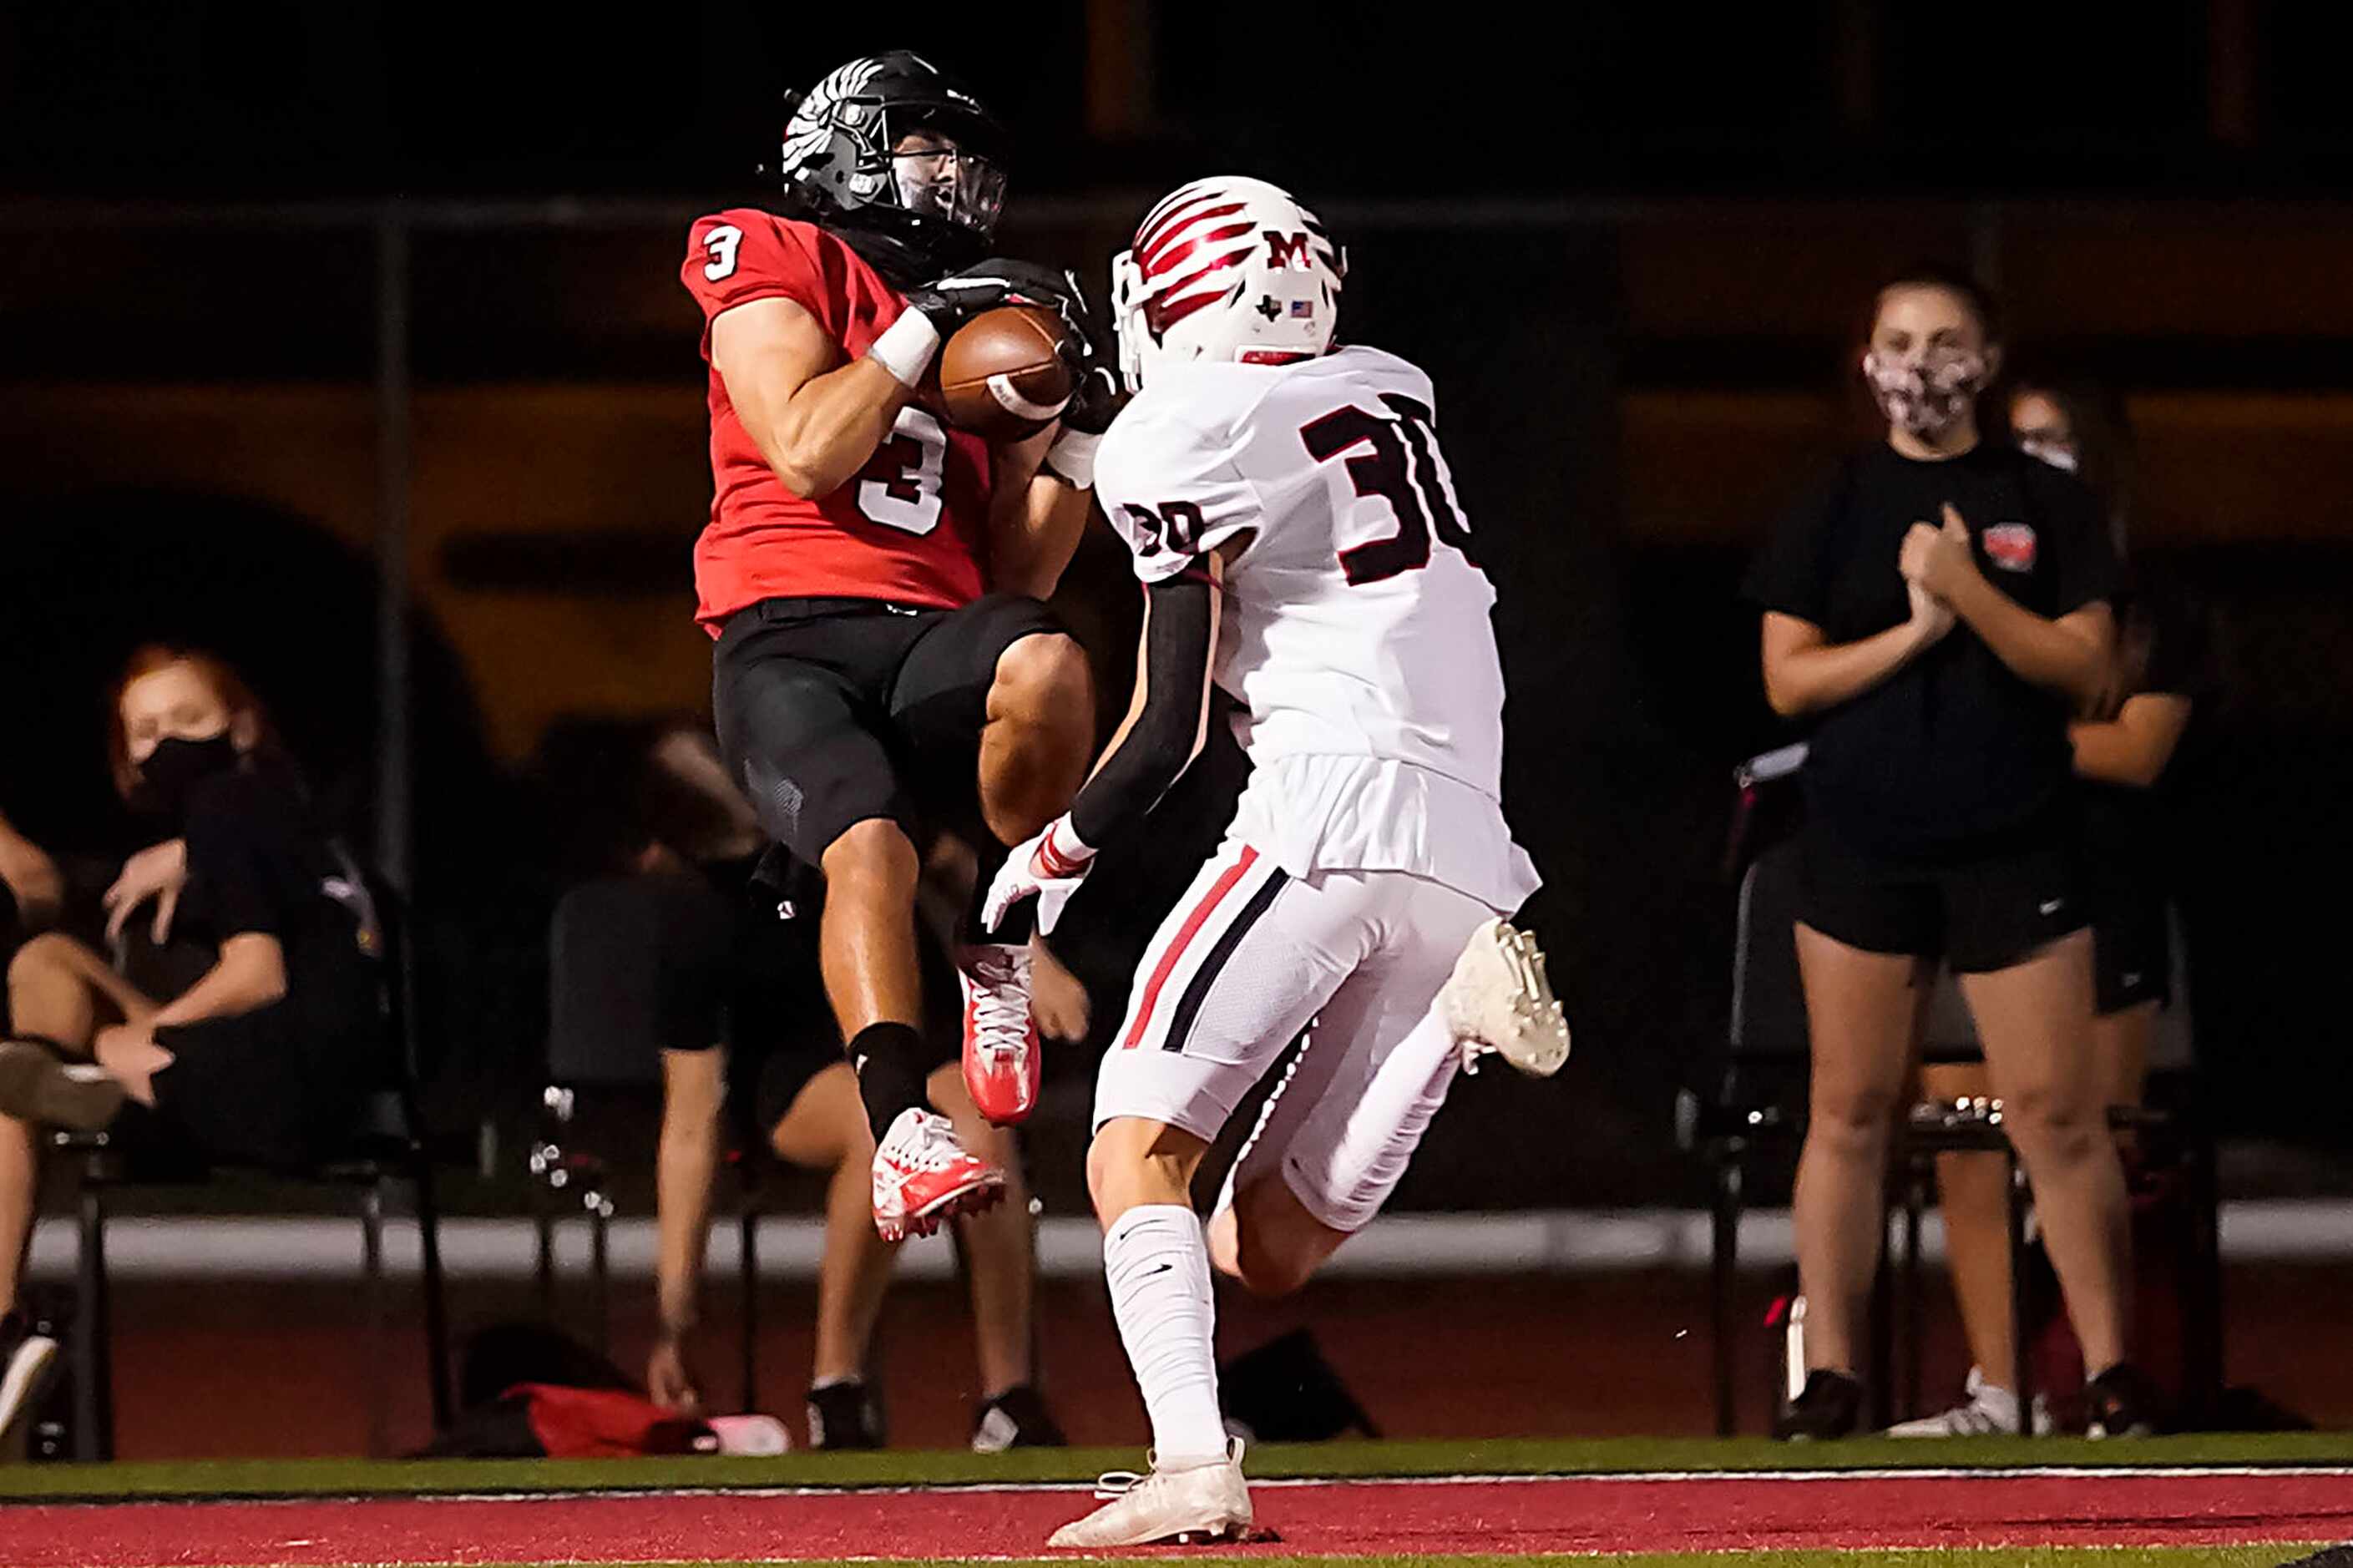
(1556, 1241)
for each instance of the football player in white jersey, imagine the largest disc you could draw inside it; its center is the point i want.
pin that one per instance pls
(1300, 545)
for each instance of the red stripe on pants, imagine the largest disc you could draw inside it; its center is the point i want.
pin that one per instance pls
(1185, 933)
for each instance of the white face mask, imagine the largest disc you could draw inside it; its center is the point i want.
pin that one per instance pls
(2056, 453)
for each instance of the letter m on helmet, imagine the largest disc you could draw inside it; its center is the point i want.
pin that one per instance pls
(1288, 250)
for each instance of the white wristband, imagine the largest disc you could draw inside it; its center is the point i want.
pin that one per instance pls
(906, 347)
(1072, 456)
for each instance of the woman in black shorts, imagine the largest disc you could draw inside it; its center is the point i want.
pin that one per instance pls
(267, 1059)
(2124, 746)
(1938, 608)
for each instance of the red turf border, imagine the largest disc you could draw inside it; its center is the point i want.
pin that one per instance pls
(1579, 1514)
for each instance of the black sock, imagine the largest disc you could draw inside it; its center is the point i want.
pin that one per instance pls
(888, 1058)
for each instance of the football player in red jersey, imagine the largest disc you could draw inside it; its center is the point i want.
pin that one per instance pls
(873, 578)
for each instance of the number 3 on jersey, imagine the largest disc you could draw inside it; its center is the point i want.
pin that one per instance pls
(899, 486)
(1404, 469)
(722, 243)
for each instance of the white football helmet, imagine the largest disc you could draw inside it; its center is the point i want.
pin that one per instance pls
(1226, 268)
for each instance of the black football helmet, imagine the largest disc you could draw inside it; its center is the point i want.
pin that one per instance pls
(913, 210)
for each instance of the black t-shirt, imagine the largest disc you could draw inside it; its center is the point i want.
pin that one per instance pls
(2130, 833)
(1953, 751)
(257, 865)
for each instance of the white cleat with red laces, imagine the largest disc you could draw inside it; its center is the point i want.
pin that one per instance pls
(923, 1178)
(1201, 1500)
(1498, 999)
(1001, 1060)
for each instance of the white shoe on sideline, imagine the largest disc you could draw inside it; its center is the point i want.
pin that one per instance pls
(1499, 1000)
(27, 1361)
(1208, 1501)
(751, 1436)
(1989, 1411)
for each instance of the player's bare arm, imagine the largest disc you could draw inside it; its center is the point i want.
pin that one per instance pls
(817, 419)
(1036, 518)
(1167, 722)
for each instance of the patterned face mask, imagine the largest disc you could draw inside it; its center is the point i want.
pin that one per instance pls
(1925, 394)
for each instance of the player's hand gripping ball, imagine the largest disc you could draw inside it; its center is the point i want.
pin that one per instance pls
(1006, 375)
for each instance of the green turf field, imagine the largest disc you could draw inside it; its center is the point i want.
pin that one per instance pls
(1614, 1455)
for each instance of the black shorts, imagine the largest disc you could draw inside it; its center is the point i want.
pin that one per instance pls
(834, 711)
(640, 965)
(687, 963)
(2132, 950)
(1978, 913)
(269, 1087)
(780, 1028)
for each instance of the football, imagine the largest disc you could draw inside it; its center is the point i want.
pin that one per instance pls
(1002, 374)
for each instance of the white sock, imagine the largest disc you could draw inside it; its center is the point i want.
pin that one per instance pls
(1386, 1126)
(1158, 1265)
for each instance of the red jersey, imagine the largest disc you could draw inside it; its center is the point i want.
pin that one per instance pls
(908, 527)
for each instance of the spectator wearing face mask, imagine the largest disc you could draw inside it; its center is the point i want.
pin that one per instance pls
(266, 1059)
(1937, 611)
(2124, 744)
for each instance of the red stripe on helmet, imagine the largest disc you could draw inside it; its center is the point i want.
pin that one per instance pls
(1176, 201)
(1160, 315)
(1175, 286)
(1167, 261)
(1148, 254)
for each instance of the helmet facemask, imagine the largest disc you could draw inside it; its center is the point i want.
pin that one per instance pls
(896, 156)
(933, 175)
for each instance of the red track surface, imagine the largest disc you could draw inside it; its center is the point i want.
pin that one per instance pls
(1569, 1515)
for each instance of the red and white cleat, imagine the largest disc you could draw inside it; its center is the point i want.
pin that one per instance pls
(923, 1178)
(1001, 1060)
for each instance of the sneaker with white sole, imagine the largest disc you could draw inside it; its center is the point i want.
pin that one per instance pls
(749, 1437)
(1498, 999)
(37, 1085)
(1204, 1500)
(1002, 1063)
(1986, 1411)
(28, 1361)
(923, 1178)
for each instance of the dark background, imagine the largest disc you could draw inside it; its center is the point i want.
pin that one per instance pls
(249, 96)
(1633, 247)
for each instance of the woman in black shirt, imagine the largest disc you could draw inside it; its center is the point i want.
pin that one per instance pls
(267, 1058)
(1938, 608)
(2123, 745)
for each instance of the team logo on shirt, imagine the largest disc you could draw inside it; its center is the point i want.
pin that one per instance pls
(2010, 546)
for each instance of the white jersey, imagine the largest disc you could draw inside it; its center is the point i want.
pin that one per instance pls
(1356, 633)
